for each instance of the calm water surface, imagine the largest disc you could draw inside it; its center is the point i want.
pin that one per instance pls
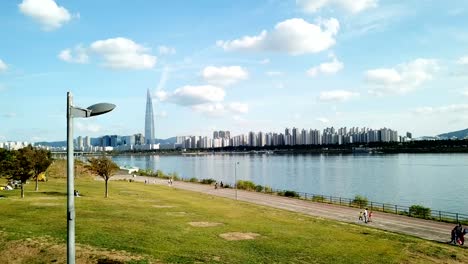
(438, 181)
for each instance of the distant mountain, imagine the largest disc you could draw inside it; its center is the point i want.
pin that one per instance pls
(95, 142)
(461, 134)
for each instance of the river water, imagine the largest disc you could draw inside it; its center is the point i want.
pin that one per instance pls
(438, 181)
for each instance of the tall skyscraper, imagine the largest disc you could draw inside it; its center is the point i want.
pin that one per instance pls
(149, 120)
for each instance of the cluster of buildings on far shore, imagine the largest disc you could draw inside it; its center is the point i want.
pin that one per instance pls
(220, 139)
(292, 137)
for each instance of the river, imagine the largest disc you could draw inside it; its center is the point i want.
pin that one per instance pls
(438, 181)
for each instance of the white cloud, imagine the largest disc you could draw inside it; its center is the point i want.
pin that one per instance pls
(162, 114)
(221, 109)
(224, 76)
(323, 120)
(337, 96)
(453, 108)
(77, 55)
(403, 78)
(3, 66)
(464, 92)
(50, 15)
(87, 127)
(463, 60)
(165, 50)
(274, 73)
(264, 61)
(326, 68)
(294, 36)
(123, 53)
(193, 95)
(352, 6)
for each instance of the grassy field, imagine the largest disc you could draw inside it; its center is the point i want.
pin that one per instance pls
(141, 223)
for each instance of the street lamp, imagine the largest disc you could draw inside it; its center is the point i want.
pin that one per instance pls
(76, 112)
(235, 177)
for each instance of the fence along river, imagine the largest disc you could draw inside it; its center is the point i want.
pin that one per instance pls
(438, 181)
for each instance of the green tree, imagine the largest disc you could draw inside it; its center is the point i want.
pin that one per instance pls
(104, 167)
(41, 161)
(19, 165)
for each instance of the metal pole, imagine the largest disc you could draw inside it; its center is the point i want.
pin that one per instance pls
(70, 185)
(235, 177)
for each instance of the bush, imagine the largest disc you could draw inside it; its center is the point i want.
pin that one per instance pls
(245, 185)
(258, 188)
(291, 194)
(318, 198)
(227, 186)
(193, 179)
(207, 181)
(174, 176)
(360, 201)
(420, 211)
(268, 189)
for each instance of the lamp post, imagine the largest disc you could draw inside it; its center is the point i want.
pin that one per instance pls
(76, 112)
(235, 177)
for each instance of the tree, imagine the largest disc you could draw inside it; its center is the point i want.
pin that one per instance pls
(42, 160)
(23, 164)
(104, 167)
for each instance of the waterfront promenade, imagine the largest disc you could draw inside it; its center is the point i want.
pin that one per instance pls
(431, 230)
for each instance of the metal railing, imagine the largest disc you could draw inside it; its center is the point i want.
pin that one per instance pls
(436, 215)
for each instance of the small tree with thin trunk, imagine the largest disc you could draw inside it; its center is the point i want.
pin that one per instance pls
(18, 165)
(104, 167)
(42, 160)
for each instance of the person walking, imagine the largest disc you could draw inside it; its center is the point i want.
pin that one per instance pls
(370, 217)
(216, 185)
(366, 214)
(360, 216)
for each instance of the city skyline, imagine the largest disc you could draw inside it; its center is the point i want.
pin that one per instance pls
(248, 65)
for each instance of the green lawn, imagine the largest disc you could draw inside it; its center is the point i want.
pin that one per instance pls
(139, 219)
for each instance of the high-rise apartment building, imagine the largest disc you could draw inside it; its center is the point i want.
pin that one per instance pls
(149, 120)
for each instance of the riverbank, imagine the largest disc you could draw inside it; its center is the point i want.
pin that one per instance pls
(151, 223)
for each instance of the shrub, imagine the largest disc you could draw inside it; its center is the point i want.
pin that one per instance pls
(207, 181)
(258, 188)
(268, 189)
(419, 211)
(245, 185)
(360, 201)
(318, 198)
(174, 176)
(291, 194)
(227, 186)
(193, 179)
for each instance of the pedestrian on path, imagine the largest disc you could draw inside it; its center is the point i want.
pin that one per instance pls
(366, 215)
(370, 217)
(216, 185)
(360, 216)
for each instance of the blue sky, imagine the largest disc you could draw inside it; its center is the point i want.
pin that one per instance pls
(233, 65)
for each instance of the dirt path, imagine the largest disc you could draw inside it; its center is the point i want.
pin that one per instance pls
(426, 229)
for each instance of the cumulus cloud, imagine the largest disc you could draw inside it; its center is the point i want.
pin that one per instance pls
(463, 60)
(294, 36)
(50, 15)
(87, 127)
(123, 53)
(165, 50)
(337, 96)
(323, 120)
(3, 66)
(225, 75)
(352, 6)
(402, 78)
(77, 55)
(326, 68)
(193, 95)
(221, 109)
(453, 108)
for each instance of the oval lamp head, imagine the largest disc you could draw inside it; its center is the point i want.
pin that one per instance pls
(101, 108)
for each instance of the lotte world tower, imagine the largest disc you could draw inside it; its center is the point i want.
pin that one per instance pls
(149, 120)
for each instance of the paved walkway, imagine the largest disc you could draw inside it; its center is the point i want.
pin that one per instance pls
(431, 230)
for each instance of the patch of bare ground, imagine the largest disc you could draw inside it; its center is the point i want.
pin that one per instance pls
(176, 213)
(204, 224)
(45, 204)
(239, 236)
(163, 206)
(48, 250)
